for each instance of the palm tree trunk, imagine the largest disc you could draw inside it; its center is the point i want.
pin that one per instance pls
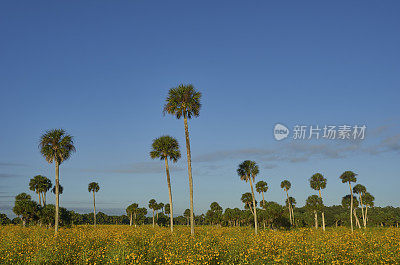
(130, 221)
(40, 201)
(189, 161)
(356, 218)
(171, 215)
(44, 198)
(323, 214)
(254, 207)
(290, 208)
(94, 209)
(153, 218)
(57, 197)
(135, 218)
(316, 219)
(351, 208)
(362, 210)
(366, 216)
(262, 193)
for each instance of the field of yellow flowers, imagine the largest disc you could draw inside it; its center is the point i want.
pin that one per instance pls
(211, 245)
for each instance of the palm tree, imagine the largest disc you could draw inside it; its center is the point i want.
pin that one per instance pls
(153, 205)
(291, 202)
(348, 202)
(131, 211)
(94, 187)
(286, 185)
(167, 210)
(262, 187)
(44, 187)
(318, 182)
(247, 199)
(34, 186)
(349, 177)
(56, 146)
(247, 171)
(184, 101)
(166, 147)
(314, 204)
(369, 202)
(361, 190)
(186, 214)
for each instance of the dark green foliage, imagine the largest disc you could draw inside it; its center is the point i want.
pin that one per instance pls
(184, 101)
(165, 147)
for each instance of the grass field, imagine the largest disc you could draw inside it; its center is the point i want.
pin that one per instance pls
(212, 245)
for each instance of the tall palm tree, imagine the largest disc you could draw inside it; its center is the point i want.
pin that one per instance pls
(262, 187)
(247, 171)
(153, 205)
(286, 185)
(361, 190)
(94, 187)
(349, 177)
(184, 101)
(56, 146)
(166, 147)
(318, 182)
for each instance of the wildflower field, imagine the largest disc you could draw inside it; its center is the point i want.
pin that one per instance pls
(211, 245)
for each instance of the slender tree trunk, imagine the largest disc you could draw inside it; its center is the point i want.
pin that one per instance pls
(316, 219)
(57, 197)
(366, 216)
(290, 208)
(153, 218)
(44, 199)
(323, 214)
(189, 161)
(94, 209)
(262, 193)
(130, 221)
(171, 215)
(254, 207)
(356, 218)
(362, 210)
(135, 218)
(40, 201)
(351, 208)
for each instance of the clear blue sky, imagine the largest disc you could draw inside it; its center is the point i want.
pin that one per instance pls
(102, 70)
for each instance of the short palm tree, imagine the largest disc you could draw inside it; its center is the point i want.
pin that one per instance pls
(262, 187)
(44, 187)
(348, 202)
(184, 101)
(286, 185)
(131, 211)
(314, 204)
(349, 177)
(164, 148)
(60, 189)
(318, 182)
(94, 187)
(153, 205)
(369, 202)
(247, 171)
(247, 199)
(56, 146)
(361, 190)
(34, 186)
(186, 214)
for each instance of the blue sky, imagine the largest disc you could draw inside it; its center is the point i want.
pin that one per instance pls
(102, 70)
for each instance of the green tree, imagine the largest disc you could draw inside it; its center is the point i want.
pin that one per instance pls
(349, 177)
(349, 202)
(56, 146)
(153, 205)
(247, 171)
(164, 148)
(94, 187)
(186, 214)
(25, 208)
(34, 186)
(314, 204)
(184, 101)
(286, 185)
(360, 190)
(318, 182)
(262, 187)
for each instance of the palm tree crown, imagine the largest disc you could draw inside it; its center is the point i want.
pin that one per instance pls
(165, 147)
(359, 189)
(247, 169)
(93, 186)
(261, 186)
(184, 101)
(348, 176)
(55, 145)
(286, 185)
(317, 181)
